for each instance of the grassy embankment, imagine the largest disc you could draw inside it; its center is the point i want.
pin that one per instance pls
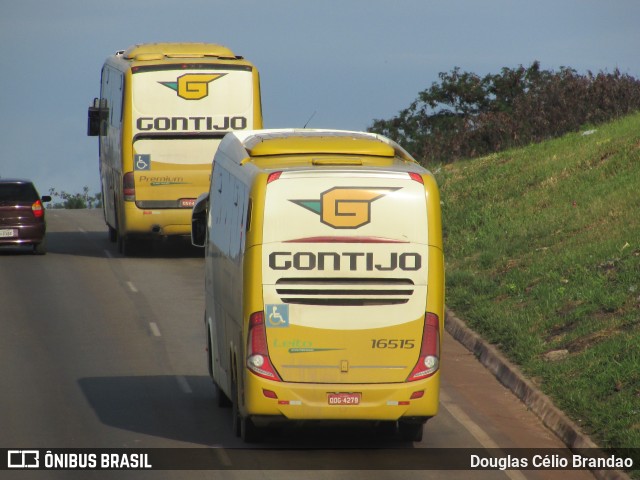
(542, 246)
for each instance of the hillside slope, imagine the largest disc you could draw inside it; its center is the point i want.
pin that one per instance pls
(542, 246)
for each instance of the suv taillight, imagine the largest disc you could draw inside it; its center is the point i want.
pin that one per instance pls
(129, 187)
(258, 360)
(37, 209)
(429, 360)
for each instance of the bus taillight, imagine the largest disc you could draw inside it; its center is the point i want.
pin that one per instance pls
(429, 360)
(416, 177)
(258, 360)
(273, 176)
(129, 187)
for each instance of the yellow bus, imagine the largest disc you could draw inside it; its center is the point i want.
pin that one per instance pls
(324, 280)
(162, 112)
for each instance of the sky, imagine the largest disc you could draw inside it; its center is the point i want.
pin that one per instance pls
(342, 63)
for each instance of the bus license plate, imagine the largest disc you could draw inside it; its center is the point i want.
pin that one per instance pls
(344, 398)
(8, 232)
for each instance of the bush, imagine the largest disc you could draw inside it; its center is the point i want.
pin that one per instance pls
(76, 200)
(467, 116)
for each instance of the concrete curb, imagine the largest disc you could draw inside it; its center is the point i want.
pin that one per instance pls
(511, 377)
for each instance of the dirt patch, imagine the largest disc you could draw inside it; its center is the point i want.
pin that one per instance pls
(556, 355)
(559, 332)
(583, 343)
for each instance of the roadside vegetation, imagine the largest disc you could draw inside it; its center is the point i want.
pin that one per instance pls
(466, 116)
(540, 181)
(542, 246)
(75, 200)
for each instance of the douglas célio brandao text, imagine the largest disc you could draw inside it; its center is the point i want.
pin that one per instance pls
(549, 462)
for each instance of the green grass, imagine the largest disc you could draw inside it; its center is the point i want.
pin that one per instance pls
(542, 247)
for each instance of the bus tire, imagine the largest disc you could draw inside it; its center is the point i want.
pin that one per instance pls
(113, 234)
(122, 245)
(387, 428)
(120, 238)
(243, 427)
(410, 431)
(235, 411)
(249, 433)
(221, 398)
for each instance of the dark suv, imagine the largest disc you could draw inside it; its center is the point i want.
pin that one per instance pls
(22, 219)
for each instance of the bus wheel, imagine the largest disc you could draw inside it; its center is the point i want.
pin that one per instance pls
(113, 234)
(235, 411)
(221, 397)
(243, 427)
(411, 431)
(128, 245)
(248, 431)
(122, 245)
(387, 428)
(120, 238)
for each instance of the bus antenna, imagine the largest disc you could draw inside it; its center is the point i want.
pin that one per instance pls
(312, 115)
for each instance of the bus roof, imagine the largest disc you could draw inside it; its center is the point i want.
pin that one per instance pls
(161, 51)
(261, 143)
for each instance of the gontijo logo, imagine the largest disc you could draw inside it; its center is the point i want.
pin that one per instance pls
(345, 207)
(193, 86)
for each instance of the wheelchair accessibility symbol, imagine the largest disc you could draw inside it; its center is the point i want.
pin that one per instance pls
(277, 315)
(142, 162)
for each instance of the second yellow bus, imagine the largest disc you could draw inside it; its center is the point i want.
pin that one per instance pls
(163, 110)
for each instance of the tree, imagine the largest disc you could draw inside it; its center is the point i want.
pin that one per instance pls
(76, 200)
(465, 115)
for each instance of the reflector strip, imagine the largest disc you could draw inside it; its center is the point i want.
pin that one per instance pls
(345, 240)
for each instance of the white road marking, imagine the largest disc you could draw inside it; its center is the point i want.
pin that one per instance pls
(220, 452)
(474, 429)
(184, 385)
(132, 287)
(154, 329)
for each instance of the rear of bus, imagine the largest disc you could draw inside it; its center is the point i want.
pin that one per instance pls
(351, 314)
(183, 102)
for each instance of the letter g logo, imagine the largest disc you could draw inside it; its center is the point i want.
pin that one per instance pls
(193, 86)
(345, 207)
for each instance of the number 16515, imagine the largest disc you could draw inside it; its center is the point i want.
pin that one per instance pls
(392, 343)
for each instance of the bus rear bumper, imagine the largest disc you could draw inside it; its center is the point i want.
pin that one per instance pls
(371, 402)
(164, 222)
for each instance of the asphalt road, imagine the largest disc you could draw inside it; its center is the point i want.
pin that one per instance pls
(103, 351)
